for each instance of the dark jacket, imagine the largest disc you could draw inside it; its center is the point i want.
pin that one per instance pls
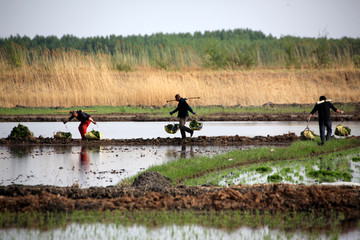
(82, 116)
(183, 109)
(323, 110)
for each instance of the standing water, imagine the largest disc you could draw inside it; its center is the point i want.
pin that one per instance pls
(89, 166)
(128, 130)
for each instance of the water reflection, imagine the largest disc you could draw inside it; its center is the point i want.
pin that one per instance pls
(191, 231)
(183, 152)
(21, 151)
(83, 155)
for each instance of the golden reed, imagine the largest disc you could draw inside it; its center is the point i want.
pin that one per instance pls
(89, 81)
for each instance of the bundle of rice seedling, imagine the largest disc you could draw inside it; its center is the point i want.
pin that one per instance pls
(21, 131)
(63, 135)
(342, 130)
(171, 128)
(195, 125)
(93, 135)
(307, 134)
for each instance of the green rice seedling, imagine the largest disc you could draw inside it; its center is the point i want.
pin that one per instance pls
(274, 178)
(263, 169)
(289, 179)
(286, 170)
(329, 176)
(356, 159)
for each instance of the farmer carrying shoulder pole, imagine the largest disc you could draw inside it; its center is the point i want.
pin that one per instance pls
(324, 118)
(182, 109)
(84, 118)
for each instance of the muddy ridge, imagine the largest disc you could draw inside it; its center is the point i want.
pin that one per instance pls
(144, 117)
(269, 197)
(200, 140)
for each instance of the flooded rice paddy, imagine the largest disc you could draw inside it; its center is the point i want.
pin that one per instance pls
(89, 166)
(128, 130)
(62, 165)
(107, 165)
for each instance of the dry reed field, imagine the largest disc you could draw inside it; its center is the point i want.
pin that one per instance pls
(72, 80)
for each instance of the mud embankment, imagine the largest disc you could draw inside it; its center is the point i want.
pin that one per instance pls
(269, 197)
(144, 117)
(284, 139)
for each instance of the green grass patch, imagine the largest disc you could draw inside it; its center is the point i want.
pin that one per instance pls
(93, 110)
(183, 169)
(164, 110)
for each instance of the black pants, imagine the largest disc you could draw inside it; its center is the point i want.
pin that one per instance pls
(322, 126)
(184, 128)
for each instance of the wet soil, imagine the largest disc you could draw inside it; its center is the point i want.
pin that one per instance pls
(284, 139)
(155, 193)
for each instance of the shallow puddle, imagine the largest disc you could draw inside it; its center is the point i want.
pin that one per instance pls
(128, 130)
(89, 166)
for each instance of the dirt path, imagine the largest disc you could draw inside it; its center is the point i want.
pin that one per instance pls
(144, 117)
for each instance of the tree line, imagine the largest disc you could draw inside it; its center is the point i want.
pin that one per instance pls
(223, 49)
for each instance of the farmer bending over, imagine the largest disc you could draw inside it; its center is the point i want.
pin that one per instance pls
(323, 109)
(85, 120)
(183, 109)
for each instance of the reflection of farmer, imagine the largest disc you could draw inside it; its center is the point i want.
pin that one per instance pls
(85, 120)
(83, 154)
(323, 109)
(183, 109)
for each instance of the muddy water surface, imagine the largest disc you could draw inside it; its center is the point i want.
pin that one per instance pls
(89, 166)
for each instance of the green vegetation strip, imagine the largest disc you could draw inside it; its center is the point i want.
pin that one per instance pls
(183, 169)
(230, 220)
(164, 110)
(331, 167)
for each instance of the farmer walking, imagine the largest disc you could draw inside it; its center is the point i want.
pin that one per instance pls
(324, 118)
(182, 109)
(84, 118)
